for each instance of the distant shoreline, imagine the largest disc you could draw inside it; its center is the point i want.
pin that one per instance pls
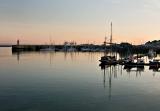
(5, 45)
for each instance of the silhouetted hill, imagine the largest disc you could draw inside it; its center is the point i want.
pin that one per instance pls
(153, 43)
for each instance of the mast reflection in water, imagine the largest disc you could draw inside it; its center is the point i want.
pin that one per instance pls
(57, 81)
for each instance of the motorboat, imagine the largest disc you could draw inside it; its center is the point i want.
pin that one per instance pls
(140, 63)
(154, 63)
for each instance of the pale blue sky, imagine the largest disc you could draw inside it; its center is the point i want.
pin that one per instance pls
(79, 20)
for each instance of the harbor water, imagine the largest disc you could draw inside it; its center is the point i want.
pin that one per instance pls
(58, 81)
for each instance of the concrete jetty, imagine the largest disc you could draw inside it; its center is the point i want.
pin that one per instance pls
(17, 48)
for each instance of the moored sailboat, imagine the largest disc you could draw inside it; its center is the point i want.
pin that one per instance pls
(108, 60)
(50, 48)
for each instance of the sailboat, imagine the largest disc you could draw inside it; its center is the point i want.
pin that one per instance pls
(50, 48)
(108, 60)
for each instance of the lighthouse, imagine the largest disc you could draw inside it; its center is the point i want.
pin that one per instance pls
(18, 42)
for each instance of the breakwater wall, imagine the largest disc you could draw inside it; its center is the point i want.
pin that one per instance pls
(91, 48)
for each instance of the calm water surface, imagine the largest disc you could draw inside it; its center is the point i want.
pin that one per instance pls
(73, 82)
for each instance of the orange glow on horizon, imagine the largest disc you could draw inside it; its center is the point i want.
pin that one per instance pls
(41, 34)
(78, 40)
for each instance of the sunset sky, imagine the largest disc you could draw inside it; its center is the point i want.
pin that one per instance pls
(83, 21)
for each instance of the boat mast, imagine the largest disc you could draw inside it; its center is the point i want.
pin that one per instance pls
(111, 39)
(105, 42)
(50, 40)
(111, 35)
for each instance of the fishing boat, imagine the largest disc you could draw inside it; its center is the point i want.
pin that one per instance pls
(128, 60)
(128, 63)
(134, 62)
(154, 64)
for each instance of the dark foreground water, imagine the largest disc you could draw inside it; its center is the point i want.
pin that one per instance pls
(73, 82)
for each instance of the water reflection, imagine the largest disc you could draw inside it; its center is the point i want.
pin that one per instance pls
(111, 72)
(76, 82)
(90, 57)
(18, 56)
(119, 69)
(108, 73)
